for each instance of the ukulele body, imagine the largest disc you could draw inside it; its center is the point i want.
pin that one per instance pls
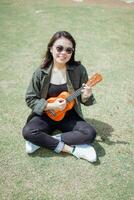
(58, 115)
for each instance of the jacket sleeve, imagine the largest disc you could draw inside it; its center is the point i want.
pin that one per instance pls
(33, 95)
(84, 78)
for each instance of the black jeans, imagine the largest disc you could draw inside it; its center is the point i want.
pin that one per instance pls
(75, 130)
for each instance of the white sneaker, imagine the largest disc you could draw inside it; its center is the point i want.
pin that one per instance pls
(30, 147)
(86, 152)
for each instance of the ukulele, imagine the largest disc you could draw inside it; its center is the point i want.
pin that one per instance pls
(58, 115)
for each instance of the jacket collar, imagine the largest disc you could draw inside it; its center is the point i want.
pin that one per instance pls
(47, 70)
(70, 67)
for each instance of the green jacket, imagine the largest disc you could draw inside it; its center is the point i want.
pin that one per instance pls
(37, 90)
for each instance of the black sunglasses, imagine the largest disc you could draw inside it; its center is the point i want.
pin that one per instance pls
(68, 50)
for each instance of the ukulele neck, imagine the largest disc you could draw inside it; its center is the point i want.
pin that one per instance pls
(91, 82)
(74, 95)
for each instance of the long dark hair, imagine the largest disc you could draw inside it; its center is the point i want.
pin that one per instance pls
(48, 59)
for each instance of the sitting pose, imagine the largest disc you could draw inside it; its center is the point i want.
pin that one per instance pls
(59, 73)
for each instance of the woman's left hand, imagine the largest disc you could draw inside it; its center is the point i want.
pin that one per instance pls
(86, 91)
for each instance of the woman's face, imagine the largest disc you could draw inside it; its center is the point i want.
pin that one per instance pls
(62, 50)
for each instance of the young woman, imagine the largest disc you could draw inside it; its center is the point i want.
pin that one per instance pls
(59, 72)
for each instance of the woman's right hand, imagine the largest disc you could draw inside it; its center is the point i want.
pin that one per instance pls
(58, 104)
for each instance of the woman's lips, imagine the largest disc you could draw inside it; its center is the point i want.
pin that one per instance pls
(62, 57)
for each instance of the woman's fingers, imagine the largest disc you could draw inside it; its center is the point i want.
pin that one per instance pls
(61, 103)
(86, 91)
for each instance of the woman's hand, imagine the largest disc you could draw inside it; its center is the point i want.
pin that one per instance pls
(58, 104)
(86, 91)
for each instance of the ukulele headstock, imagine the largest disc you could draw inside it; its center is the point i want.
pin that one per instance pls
(94, 79)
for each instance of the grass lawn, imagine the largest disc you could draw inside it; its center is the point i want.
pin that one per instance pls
(105, 44)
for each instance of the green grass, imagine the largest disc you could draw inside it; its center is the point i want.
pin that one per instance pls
(105, 43)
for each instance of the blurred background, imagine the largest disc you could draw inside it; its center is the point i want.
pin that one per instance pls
(104, 33)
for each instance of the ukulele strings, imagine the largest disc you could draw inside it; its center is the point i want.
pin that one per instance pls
(74, 95)
(70, 98)
(78, 92)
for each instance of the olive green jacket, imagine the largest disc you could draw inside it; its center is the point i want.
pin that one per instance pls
(37, 90)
